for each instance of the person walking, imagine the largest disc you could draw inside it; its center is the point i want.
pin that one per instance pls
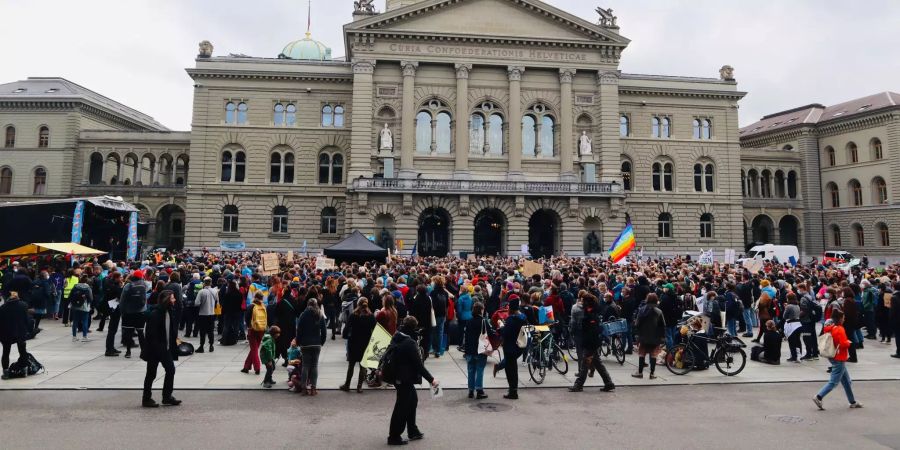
(41, 295)
(410, 369)
(839, 373)
(590, 341)
(361, 324)
(792, 326)
(207, 299)
(258, 326)
(13, 329)
(509, 332)
(311, 335)
(133, 302)
(80, 299)
(267, 354)
(112, 287)
(894, 316)
(475, 360)
(157, 351)
(651, 334)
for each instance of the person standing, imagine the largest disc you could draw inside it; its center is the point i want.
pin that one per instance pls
(80, 299)
(311, 335)
(464, 306)
(157, 351)
(839, 373)
(792, 326)
(421, 309)
(476, 361)
(13, 328)
(440, 301)
(258, 324)
(267, 354)
(590, 341)
(232, 302)
(42, 295)
(410, 370)
(810, 314)
(207, 299)
(894, 316)
(286, 319)
(113, 291)
(133, 302)
(509, 332)
(361, 324)
(70, 282)
(651, 334)
(387, 315)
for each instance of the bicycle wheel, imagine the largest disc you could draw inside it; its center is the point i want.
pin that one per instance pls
(730, 361)
(604, 346)
(570, 350)
(558, 358)
(618, 349)
(679, 361)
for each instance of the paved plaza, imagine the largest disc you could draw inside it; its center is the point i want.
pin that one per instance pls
(78, 365)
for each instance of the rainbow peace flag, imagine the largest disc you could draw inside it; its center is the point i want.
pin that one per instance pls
(623, 244)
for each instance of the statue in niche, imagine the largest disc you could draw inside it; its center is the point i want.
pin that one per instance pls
(385, 240)
(584, 144)
(206, 49)
(387, 138)
(592, 243)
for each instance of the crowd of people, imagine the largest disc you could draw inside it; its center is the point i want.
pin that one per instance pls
(434, 303)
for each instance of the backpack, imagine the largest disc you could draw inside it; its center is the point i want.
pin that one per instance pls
(826, 345)
(387, 365)
(136, 296)
(815, 310)
(22, 369)
(259, 322)
(77, 297)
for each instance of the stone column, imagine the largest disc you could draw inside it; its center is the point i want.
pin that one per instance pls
(566, 146)
(361, 121)
(610, 152)
(515, 121)
(784, 181)
(156, 172)
(408, 120)
(462, 120)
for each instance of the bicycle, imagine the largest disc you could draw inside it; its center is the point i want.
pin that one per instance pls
(567, 341)
(612, 339)
(728, 355)
(542, 353)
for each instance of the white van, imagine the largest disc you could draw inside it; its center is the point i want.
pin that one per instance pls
(769, 252)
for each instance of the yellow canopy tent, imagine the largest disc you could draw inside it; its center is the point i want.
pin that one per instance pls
(52, 247)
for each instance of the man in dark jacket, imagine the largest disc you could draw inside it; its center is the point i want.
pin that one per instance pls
(745, 293)
(13, 328)
(671, 310)
(410, 371)
(133, 303)
(895, 317)
(651, 330)
(157, 351)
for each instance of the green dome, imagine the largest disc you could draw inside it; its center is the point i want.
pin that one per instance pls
(306, 49)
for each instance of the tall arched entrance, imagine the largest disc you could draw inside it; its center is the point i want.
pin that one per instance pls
(490, 226)
(789, 230)
(763, 229)
(170, 227)
(434, 233)
(543, 233)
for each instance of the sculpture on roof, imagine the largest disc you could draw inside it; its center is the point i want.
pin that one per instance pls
(726, 73)
(607, 19)
(364, 6)
(206, 49)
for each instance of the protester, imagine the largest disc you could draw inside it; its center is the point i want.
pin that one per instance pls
(476, 359)
(112, 287)
(361, 325)
(258, 326)
(268, 356)
(80, 298)
(311, 335)
(839, 373)
(509, 332)
(206, 300)
(13, 328)
(590, 341)
(387, 315)
(410, 370)
(158, 352)
(133, 302)
(770, 351)
(651, 331)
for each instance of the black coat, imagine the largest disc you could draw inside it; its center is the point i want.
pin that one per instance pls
(157, 343)
(311, 329)
(286, 313)
(41, 294)
(421, 310)
(361, 328)
(231, 302)
(440, 301)
(21, 283)
(13, 321)
(473, 332)
(410, 369)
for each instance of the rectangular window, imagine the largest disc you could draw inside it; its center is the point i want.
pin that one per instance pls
(280, 224)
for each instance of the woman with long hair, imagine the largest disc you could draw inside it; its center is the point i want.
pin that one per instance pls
(387, 315)
(331, 301)
(311, 335)
(361, 324)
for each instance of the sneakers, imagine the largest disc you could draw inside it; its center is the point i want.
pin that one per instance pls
(171, 401)
(199, 350)
(74, 338)
(245, 370)
(111, 354)
(895, 355)
(638, 375)
(652, 376)
(85, 339)
(609, 388)
(818, 402)
(511, 396)
(267, 384)
(793, 360)
(397, 441)
(480, 395)
(855, 405)
(149, 403)
(416, 436)
(575, 389)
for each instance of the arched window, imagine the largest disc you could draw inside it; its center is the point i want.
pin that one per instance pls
(240, 167)
(548, 131)
(476, 134)
(230, 219)
(884, 235)
(879, 191)
(10, 140)
(626, 175)
(859, 234)
(529, 136)
(327, 116)
(695, 125)
(442, 133)
(233, 166)
(766, 184)
(836, 236)
(6, 181)
(666, 131)
(288, 167)
(792, 184)
(834, 194)
(709, 178)
(704, 178)
(230, 113)
(654, 127)
(331, 168)
(706, 129)
(856, 193)
(698, 177)
(275, 168)
(227, 162)
(241, 113)
(324, 168)
(278, 116)
(328, 221)
(779, 184)
(44, 137)
(40, 181)
(664, 225)
(753, 183)
(830, 156)
(280, 220)
(95, 172)
(495, 131)
(706, 226)
(337, 169)
(668, 177)
(290, 115)
(284, 115)
(657, 176)
(877, 150)
(624, 128)
(852, 153)
(338, 116)
(423, 132)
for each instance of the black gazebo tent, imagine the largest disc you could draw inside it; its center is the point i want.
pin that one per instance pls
(356, 248)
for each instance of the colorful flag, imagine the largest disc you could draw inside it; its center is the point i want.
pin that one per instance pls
(415, 244)
(132, 236)
(77, 221)
(623, 244)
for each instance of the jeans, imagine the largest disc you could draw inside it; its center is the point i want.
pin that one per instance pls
(731, 325)
(750, 319)
(629, 337)
(671, 336)
(309, 373)
(168, 383)
(270, 367)
(53, 307)
(80, 319)
(475, 365)
(839, 374)
(404, 415)
(437, 336)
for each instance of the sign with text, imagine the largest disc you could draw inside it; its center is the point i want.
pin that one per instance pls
(531, 268)
(323, 263)
(269, 264)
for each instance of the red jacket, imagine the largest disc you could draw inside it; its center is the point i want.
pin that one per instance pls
(559, 309)
(840, 341)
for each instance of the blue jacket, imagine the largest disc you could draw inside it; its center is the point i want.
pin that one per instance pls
(464, 307)
(310, 329)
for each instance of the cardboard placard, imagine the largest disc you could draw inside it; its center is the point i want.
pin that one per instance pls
(471, 258)
(530, 268)
(269, 264)
(290, 256)
(753, 265)
(323, 263)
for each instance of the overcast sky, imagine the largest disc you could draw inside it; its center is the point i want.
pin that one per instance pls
(785, 53)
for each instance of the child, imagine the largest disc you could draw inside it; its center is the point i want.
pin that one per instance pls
(267, 354)
(293, 357)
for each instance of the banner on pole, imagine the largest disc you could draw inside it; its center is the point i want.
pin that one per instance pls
(132, 236)
(77, 221)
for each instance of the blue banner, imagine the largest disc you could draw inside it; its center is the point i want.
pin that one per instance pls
(77, 221)
(232, 245)
(132, 236)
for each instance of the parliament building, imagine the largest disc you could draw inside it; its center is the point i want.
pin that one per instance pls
(497, 137)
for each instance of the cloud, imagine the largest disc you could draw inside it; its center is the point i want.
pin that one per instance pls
(785, 54)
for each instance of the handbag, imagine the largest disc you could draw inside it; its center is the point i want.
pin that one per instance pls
(522, 338)
(484, 344)
(826, 346)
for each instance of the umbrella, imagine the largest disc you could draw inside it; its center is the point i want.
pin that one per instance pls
(52, 247)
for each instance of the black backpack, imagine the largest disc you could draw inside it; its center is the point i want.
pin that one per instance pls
(387, 366)
(21, 369)
(815, 310)
(77, 297)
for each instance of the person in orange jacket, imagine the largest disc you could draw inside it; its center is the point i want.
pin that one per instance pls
(839, 372)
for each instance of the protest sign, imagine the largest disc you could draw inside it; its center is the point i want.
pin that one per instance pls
(530, 268)
(323, 263)
(269, 264)
(378, 344)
